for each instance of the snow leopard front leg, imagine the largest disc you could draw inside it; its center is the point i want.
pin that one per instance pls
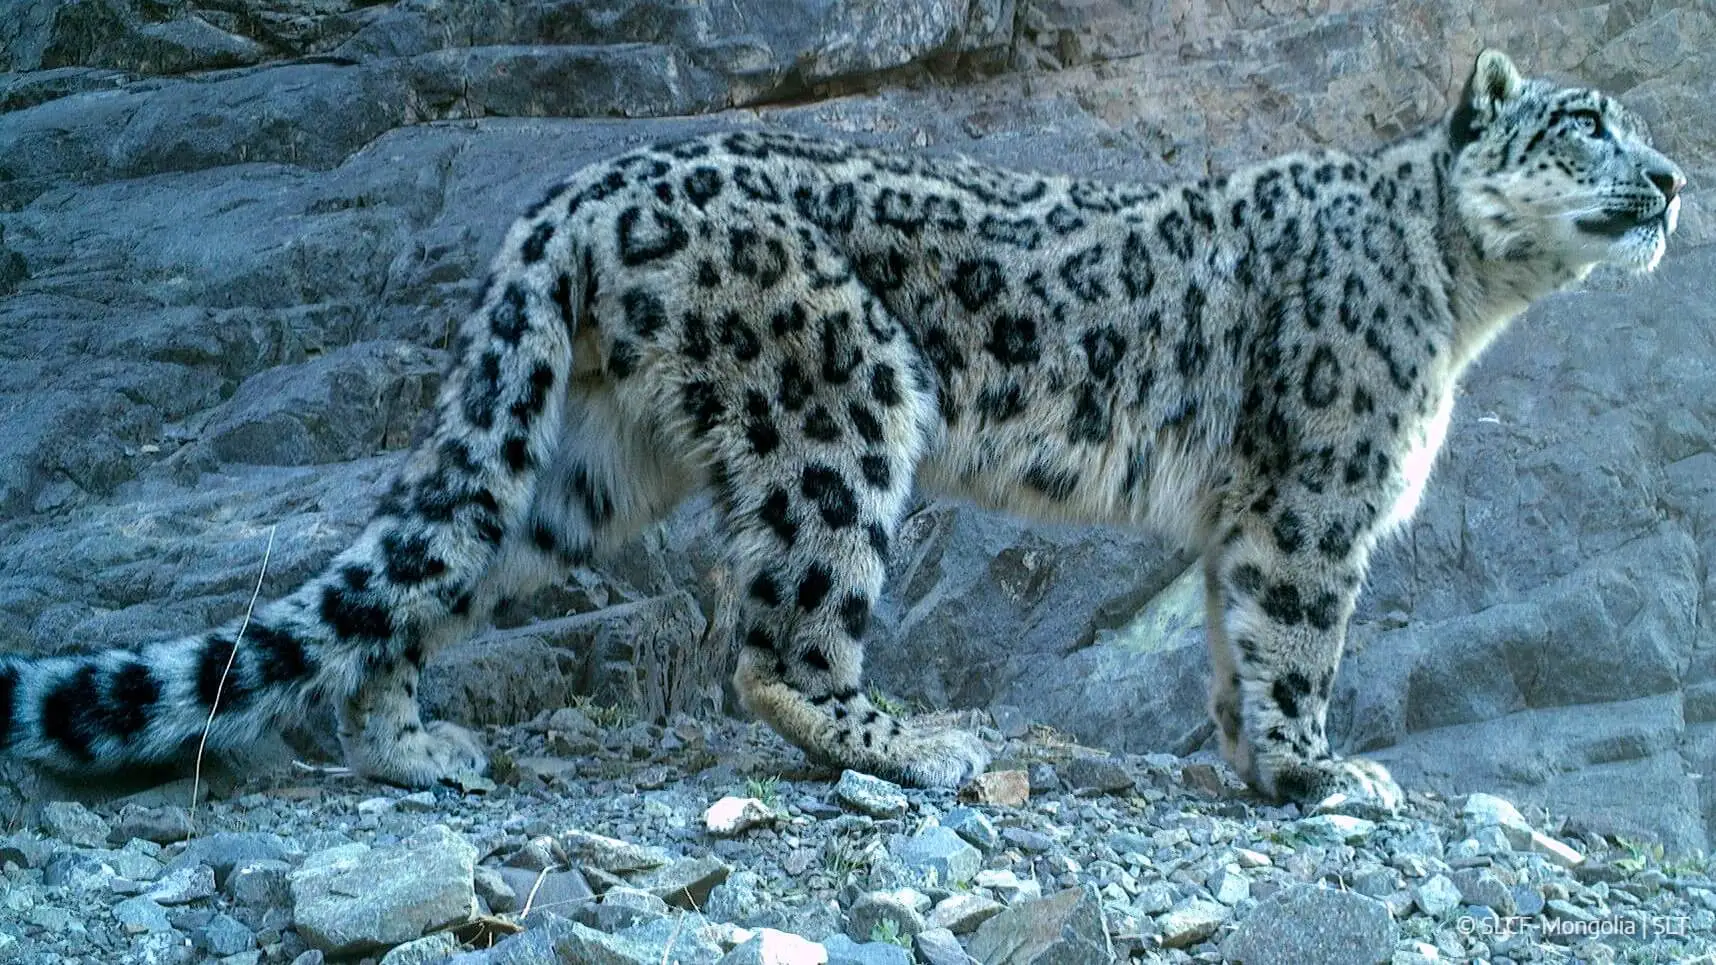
(1280, 589)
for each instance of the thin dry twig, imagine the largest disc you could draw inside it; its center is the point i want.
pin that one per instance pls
(535, 886)
(231, 658)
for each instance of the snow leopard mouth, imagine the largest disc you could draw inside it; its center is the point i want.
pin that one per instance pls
(1617, 224)
(1614, 224)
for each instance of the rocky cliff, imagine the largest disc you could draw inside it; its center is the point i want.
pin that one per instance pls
(234, 236)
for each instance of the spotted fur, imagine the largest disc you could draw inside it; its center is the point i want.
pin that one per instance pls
(1262, 365)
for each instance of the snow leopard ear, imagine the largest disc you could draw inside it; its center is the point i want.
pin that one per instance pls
(1494, 81)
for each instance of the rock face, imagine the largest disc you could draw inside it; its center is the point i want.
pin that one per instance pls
(233, 243)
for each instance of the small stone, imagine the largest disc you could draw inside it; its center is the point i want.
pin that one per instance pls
(260, 883)
(141, 915)
(1334, 829)
(870, 795)
(974, 827)
(1103, 775)
(621, 908)
(1527, 901)
(1591, 872)
(549, 770)
(844, 951)
(1011, 721)
(611, 854)
(999, 788)
(937, 853)
(428, 950)
(1230, 886)
(1249, 859)
(1171, 838)
(1155, 898)
(183, 885)
(538, 854)
(570, 720)
(1130, 842)
(1376, 881)
(1492, 841)
(1569, 911)
(493, 889)
(1436, 896)
(1487, 810)
(865, 919)
(420, 802)
(770, 947)
(1008, 886)
(1028, 840)
(1482, 887)
(1417, 953)
(1060, 864)
(961, 914)
(162, 825)
(1650, 882)
(736, 815)
(738, 899)
(685, 883)
(937, 946)
(1191, 923)
(1042, 776)
(26, 851)
(1204, 778)
(1411, 865)
(1554, 850)
(375, 805)
(225, 935)
(57, 920)
(227, 849)
(470, 784)
(74, 824)
(423, 883)
(1129, 931)
(132, 862)
(1308, 923)
(79, 871)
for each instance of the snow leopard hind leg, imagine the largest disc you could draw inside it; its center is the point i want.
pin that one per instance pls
(809, 441)
(809, 525)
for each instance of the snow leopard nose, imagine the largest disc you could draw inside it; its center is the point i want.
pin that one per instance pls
(1667, 180)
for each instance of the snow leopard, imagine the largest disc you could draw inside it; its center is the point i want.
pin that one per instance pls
(1260, 365)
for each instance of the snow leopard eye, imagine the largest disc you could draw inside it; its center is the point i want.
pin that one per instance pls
(1589, 123)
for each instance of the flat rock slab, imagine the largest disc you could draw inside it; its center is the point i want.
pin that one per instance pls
(870, 795)
(354, 898)
(685, 883)
(1064, 929)
(685, 941)
(1306, 923)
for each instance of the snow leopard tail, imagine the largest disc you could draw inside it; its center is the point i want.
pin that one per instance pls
(412, 580)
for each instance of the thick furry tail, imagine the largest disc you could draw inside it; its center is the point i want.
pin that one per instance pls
(413, 579)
